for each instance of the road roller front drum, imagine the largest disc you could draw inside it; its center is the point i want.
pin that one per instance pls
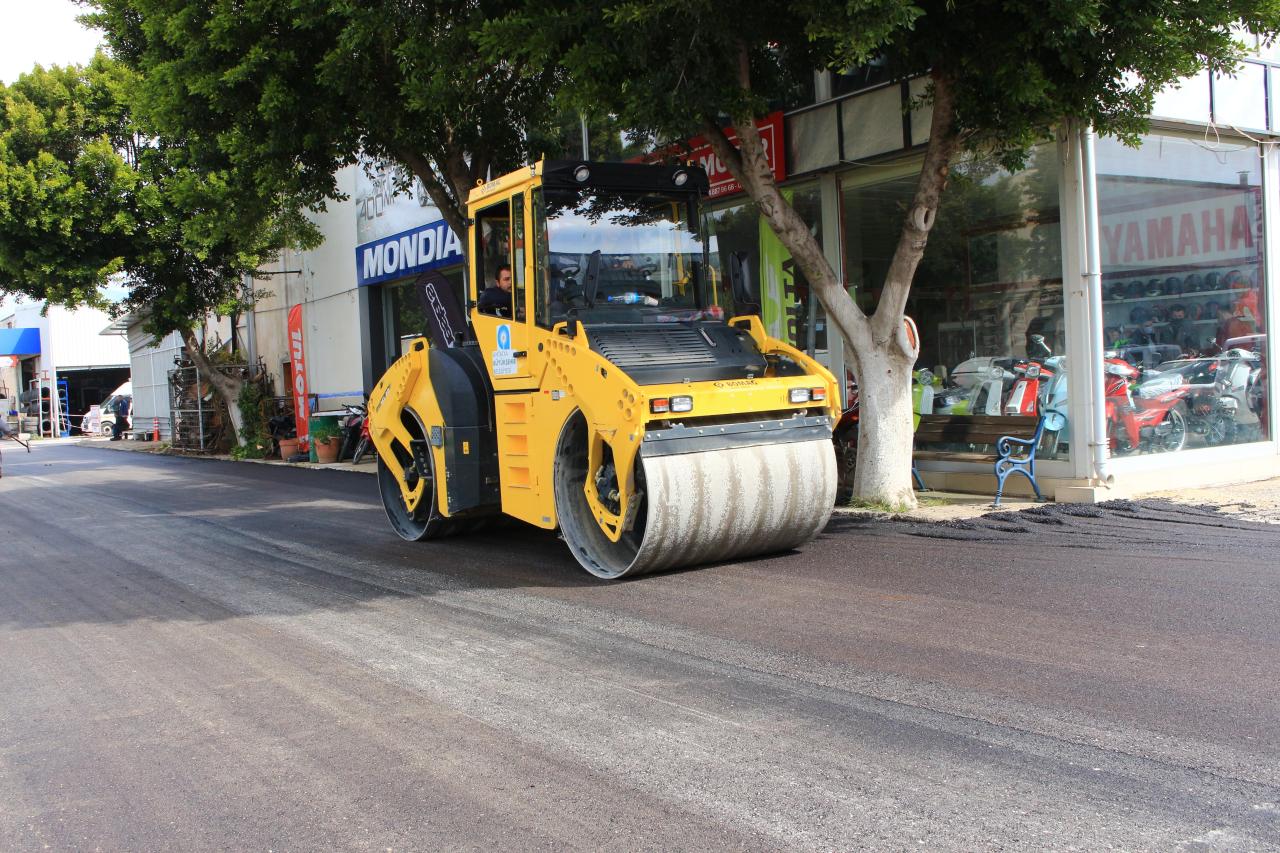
(699, 507)
(425, 521)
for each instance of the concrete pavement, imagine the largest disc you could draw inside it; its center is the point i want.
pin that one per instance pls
(199, 654)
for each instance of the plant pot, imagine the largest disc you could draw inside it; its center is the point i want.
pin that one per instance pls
(289, 447)
(327, 448)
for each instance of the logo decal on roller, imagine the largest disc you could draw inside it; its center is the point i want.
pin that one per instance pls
(504, 360)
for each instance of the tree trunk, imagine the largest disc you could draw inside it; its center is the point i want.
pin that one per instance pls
(226, 387)
(879, 350)
(883, 473)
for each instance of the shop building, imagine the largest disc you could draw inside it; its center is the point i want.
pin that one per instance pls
(55, 352)
(1182, 281)
(1182, 238)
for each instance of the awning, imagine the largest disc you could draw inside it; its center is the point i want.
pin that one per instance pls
(20, 341)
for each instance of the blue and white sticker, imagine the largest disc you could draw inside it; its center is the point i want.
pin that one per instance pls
(504, 360)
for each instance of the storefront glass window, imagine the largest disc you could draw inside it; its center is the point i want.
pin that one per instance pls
(987, 296)
(787, 306)
(1183, 303)
(405, 318)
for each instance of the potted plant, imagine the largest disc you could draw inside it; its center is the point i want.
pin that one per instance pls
(326, 435)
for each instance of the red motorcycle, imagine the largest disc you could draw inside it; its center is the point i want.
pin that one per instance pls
(1154, 421)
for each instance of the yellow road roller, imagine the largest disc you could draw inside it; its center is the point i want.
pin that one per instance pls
(622, 388)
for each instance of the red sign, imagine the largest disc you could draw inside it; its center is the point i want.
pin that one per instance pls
(298, 367)
(698, 152)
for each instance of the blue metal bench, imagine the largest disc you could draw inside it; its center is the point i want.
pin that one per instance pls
(1016, 439)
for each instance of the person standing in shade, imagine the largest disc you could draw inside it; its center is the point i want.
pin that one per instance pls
(121, 409)
(496, 298)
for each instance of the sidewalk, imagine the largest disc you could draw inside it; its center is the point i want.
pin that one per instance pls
(1256, 501)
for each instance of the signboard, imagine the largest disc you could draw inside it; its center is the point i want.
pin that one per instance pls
(408, 253)
(779, 306)
(504, 359)
(1211, 227)
(698, 152)
(298, 367)
(381, 209)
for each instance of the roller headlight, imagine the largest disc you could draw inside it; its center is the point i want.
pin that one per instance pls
(799, 395)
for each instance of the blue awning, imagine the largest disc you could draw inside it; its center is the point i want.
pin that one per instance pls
(20, 341)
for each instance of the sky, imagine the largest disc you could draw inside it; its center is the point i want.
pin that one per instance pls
(44, 32)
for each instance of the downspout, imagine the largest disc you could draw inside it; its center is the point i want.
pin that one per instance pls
(1099, 446)
(250, 321)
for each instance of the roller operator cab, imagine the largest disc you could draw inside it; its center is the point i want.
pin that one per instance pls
(629, 394)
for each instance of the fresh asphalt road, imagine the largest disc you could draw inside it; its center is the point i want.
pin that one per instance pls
(199, 654)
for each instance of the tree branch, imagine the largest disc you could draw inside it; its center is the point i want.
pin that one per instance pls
(750, 166)
(453, 211)
(227, 387)
(943, 143)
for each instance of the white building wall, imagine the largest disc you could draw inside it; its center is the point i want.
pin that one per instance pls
(323, 280)
(75, 340)
(151, 364)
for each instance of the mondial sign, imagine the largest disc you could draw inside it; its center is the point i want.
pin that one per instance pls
(412, 252)
(398, 233)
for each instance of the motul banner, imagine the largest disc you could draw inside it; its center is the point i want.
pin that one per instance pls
(1217, 228)
(298, 367)
(698, 152)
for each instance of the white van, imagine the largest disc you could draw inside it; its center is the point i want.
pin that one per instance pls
(106, 413)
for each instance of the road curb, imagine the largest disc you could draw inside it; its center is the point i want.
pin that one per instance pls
(163, 449)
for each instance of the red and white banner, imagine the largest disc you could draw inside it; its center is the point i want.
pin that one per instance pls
(698, 152)
(1217, 228)
(298, 367)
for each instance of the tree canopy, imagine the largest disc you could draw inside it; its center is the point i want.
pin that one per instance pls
(291, 92)
(87, 192)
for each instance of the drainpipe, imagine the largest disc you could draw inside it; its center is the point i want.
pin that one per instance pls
(1099, 447)
(250, 321)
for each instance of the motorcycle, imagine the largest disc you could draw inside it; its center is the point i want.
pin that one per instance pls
(1153, 421)
(980, 387)
(356, 441)
(1221, 393)
(1040, 390)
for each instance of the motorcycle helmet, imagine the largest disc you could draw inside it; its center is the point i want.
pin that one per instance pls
(1211, 310)
(1155, 287)
(1235, 280)
(1212, 281)
(1116, 291)
(1195, 312)
(1159, 313)
(1172, 286)
(1135, 289)
(1192, 283)
(1139, 315)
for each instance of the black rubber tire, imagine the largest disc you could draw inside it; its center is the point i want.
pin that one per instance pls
(1177, 438)
(846, 447)
(362, 447)
(425, 523)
